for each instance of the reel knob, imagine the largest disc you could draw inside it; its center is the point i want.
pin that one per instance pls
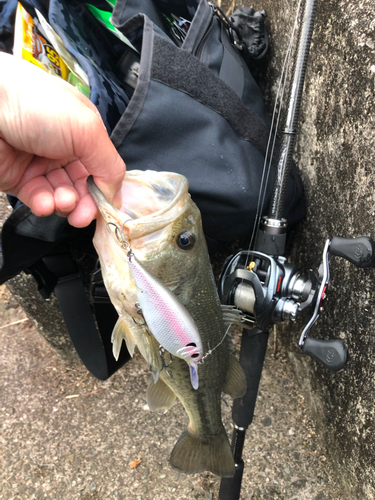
(332, 353)
(359, 251)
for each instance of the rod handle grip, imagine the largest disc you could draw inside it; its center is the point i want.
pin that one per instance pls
(230, 487)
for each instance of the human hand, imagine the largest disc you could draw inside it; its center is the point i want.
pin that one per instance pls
(51, 138)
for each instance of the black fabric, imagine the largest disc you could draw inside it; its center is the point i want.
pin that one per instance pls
(184, 8)
(136, 103)
(7, 15)
(192, 122)
(196, 80)
(250, 25)
(232, 61)
(25, 238)
(127, 9)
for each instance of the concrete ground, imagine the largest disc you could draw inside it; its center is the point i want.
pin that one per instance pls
(67, 435)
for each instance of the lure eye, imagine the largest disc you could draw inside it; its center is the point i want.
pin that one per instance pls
(196, 354)
(186, 240)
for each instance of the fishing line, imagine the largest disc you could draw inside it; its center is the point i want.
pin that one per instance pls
(273, 131)
(211, 350)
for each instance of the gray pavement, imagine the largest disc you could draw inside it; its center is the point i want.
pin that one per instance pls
(67, 435)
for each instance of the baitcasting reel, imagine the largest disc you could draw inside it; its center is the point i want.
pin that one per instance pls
(268, 289)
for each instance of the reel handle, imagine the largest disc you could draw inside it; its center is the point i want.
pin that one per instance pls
(332, 353)
(359, 251)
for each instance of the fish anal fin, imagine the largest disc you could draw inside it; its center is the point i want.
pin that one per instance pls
(155, 372)
(160, 397)
(191, 454)
(235, 384)
(122, 332)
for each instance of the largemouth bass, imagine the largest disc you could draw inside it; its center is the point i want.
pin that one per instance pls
(162, 226)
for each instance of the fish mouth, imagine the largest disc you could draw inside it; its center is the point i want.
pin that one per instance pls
(151, 201)
(154, 200)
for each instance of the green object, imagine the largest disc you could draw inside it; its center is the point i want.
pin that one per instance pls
(104, 17)
(77, 82)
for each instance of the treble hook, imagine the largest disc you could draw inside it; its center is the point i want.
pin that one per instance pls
(164, 365)
(143, 321)
(120, 236)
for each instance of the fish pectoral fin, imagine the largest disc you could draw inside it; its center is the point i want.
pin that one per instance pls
(192, 454)
(235, 385)
(159, 396)
(183, 296)
(122, 332)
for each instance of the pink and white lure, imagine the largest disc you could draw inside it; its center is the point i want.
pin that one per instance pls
(168, 320)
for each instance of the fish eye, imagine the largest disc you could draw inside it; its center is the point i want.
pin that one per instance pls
(186, 240)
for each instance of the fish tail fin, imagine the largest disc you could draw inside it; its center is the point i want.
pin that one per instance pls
(192, 454)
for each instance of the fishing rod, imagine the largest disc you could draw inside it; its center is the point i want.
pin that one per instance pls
(268, 289)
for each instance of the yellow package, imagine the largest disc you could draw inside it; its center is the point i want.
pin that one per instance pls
(31, 45)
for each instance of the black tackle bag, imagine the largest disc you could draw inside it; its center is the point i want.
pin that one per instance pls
(179, 97)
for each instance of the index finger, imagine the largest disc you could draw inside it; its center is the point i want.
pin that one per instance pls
(94, 149)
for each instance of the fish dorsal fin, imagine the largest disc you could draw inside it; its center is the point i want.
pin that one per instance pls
(231, 315)
(159, 396)
(235, 385)
(122, 332)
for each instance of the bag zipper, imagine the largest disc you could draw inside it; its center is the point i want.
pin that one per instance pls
(205, 33)
(217, 13)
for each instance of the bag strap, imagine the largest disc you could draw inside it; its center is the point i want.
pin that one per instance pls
(89, 324)
(24, 239)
